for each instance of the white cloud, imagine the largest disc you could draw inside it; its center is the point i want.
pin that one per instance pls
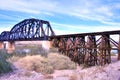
(33, 6)
(5, 16)
(4, 28)
(117, 5)
(84, 9)
(72, 29)
(9, 18)
(105, 10)
(48, 13)
(93, 10)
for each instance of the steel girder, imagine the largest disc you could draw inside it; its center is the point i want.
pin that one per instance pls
(4, 36)
(28, 29)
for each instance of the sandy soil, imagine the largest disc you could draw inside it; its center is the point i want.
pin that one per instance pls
(107, 72)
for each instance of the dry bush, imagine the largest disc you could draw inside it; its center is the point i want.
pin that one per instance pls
(13, 59)
(73, 77)
(53, 50)
(45, 65)
(35, 63)
(60, 62)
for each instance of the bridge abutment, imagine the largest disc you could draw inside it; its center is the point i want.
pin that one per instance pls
(47, 44)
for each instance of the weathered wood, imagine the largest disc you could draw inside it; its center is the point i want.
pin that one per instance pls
(119, 48)
(105, 55)
(92, 51)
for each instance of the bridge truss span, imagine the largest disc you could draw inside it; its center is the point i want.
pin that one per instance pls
(28, 29)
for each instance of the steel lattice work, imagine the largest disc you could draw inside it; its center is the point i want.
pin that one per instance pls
(28, 29)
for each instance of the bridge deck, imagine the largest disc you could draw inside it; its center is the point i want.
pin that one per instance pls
(86, 34)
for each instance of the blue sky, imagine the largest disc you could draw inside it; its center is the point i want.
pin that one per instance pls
(65, 16)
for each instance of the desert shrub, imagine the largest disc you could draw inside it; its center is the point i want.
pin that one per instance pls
(85, 66)
(35, 63)
(13, 59)
(4, 54)
(53, 50)
(47, 64)
(4, 65)
(60, 62)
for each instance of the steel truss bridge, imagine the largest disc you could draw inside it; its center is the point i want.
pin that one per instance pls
(28, 29)
(84, 48)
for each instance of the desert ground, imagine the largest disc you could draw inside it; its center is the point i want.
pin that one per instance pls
(36, 67)
(107, 72)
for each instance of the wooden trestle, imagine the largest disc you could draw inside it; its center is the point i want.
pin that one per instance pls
(88, 48)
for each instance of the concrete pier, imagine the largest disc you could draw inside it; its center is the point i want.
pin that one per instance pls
(10, 47)
(47, 44)
(1, 45)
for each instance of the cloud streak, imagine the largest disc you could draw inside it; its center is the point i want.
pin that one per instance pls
(72, 29)
(91, 10)
(85, 9)
(33, 6)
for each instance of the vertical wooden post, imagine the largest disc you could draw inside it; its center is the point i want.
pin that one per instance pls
(119, 48)
(108, 49)
(75, 49)
(79, 49)
(88, 51)
(101, 50)
(55, 42)
(68, 47)
(94, 49)
(91, 53)
(105, 49)
(62, 46)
